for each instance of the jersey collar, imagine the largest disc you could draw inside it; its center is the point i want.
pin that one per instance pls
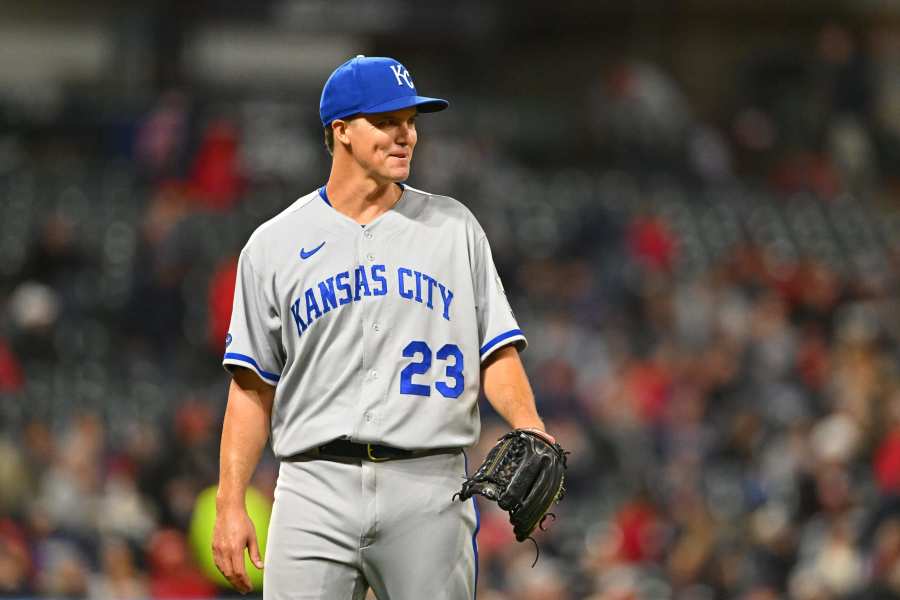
(323, 194)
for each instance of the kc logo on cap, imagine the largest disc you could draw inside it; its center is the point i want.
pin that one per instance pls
(371, 84)
(402, 74)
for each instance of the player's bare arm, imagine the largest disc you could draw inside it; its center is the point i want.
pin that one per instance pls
(244, 434)
(507, 388)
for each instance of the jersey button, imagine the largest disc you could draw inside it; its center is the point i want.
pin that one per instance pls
(368, 235)
(370, 257)
(376, 327)
(373, 374)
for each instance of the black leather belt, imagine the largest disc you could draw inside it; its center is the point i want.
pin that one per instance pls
(374, 452)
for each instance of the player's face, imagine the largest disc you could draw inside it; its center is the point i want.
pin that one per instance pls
(383, 143)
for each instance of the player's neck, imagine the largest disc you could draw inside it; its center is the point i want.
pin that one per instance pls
(361, 198)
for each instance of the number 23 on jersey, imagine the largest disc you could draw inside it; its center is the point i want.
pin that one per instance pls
(451, 358)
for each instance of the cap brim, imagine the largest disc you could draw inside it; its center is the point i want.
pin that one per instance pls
(422, 103)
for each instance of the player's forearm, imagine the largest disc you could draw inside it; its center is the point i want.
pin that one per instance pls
(507, 389)
(516, 409)
(244, 435)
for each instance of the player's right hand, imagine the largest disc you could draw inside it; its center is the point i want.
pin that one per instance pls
(233, 532)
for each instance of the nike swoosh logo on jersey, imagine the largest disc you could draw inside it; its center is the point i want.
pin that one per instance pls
(304, 254)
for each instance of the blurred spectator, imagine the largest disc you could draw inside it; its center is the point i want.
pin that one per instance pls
(651, 243)
(887, 455)
(172, 575)
(16, 484)
(11, 377)
(163, 258)
(542, 582)
(57, 253)
(34, 309)
(119, 577)
(885, 564)
(15, 560)
(844, 72)
(125, 512)
(638, 108)
(63, 571)
(806, 172)
(220, 300)
(636, 535)
(216, 179)
(186, 464)
(68, 497)
(162, 136)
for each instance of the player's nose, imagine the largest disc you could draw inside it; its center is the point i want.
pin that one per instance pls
(404, 133)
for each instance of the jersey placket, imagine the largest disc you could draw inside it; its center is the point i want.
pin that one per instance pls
(374, 380)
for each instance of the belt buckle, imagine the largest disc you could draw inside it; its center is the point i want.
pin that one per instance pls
(372, 456)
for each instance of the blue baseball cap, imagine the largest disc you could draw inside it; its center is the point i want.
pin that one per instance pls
(371, 84)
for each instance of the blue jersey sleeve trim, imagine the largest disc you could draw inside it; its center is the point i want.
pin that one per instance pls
(272, 377)
(503, 336)
(324, 195)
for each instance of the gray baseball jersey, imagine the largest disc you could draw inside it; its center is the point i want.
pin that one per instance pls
(372, 333)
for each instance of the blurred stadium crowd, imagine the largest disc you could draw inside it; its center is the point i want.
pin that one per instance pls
(711, 310)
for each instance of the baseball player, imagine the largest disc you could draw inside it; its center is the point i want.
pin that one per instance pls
(367, 316)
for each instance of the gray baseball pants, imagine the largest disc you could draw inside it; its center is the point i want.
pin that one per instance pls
(341, 526)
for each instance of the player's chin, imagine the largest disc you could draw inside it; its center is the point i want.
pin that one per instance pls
(398, 172)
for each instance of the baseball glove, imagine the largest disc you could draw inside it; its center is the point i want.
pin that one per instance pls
(525, 474)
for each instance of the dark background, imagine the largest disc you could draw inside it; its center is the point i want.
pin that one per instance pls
(693, 205)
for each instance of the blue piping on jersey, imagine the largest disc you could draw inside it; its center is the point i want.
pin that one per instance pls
(249, 360)
(477, 528)
(500, 338)
(324, 194)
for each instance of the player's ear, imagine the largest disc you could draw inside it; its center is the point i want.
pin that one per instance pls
(339, 127)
